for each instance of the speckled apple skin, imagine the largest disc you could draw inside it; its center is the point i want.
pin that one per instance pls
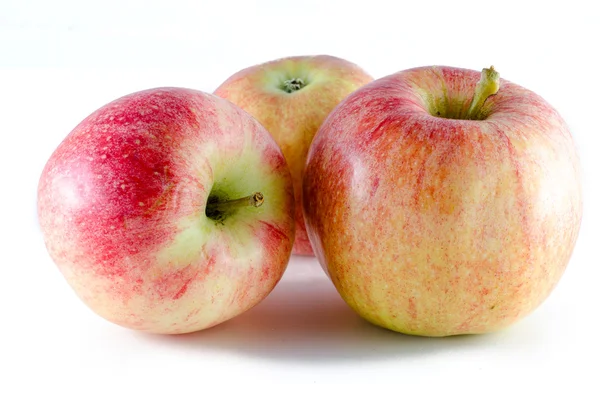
(121, 205)
(434, 226)
(294, 118)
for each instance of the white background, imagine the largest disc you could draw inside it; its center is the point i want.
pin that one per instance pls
(60, 60)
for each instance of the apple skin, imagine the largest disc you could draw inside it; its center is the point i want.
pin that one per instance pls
(294, 118)
(121, 205)
(435, 226)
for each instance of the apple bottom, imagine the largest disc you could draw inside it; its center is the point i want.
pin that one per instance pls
(226, 280)
(471, 302)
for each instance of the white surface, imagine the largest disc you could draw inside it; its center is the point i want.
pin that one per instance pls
(61, 60)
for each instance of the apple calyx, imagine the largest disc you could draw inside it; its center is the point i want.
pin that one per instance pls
(219, 210)
(488, 85)
(293, 85)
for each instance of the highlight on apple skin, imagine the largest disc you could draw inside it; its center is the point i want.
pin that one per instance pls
(443, 201)
(168, 211)
(291, 97)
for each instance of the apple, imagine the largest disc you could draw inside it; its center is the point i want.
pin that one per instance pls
(441, 205)
(291, 97)
(168, 211)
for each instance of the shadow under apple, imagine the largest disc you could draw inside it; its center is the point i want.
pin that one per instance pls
(304, 319)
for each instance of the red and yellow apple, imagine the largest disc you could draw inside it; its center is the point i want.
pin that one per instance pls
(291, 97)
(440, 205)
(168, 210)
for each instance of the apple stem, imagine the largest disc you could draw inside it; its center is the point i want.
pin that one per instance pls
(488, 85)
(292, 85)
(254, 200)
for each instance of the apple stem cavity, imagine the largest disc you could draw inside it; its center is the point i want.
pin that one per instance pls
(218, 210)
(488, 85)
(293, 85)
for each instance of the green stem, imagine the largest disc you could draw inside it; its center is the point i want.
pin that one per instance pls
(254, 200)
(488, 85)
